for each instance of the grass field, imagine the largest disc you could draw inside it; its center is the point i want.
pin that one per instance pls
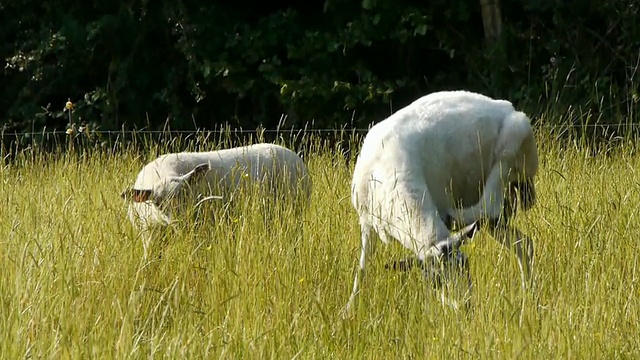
(74, 284)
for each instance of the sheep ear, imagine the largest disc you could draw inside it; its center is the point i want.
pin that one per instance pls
(469, 231)
(136, 195)
(453, 242)
(196, 173)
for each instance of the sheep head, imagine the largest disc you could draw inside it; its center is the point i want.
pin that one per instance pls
(449, 246)
(166, 188)
(449, 261)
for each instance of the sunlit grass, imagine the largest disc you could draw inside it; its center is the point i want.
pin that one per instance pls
(75, 284)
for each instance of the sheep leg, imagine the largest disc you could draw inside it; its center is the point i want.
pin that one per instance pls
(496, 209)
(515, 240)
(489, 206)
(146, 238)
(145, 248)
(365, 230)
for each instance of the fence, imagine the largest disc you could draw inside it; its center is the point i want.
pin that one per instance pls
(341, 139)
(283, 131)
(83, 139)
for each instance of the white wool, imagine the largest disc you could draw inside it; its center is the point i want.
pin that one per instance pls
(212, 176)
(448, 154)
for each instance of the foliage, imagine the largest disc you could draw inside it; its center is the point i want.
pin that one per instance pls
(327, 63)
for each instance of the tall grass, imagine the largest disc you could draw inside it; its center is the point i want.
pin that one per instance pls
(74, 284)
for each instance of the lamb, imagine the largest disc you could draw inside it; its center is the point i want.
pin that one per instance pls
(165, 185)
(448, 157)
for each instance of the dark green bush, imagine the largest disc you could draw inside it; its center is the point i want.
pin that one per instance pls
(330, 63)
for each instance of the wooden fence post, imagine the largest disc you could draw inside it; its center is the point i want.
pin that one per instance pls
(492, 20)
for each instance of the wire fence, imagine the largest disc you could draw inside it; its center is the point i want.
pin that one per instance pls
(82, 139)
(198, 131)
(292, 130)
(344, 140)
(86, 135)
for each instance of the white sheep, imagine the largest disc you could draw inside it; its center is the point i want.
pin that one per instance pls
(447, 156)
(165, 185)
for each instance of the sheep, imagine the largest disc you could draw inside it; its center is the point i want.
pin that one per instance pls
(452, 156)
(165, 185)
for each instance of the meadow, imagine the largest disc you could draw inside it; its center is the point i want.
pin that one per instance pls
(74, 283)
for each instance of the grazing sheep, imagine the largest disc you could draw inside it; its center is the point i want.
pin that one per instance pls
(447, 157)
(167, 184)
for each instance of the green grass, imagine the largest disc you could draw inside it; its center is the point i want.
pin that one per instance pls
(74, 283)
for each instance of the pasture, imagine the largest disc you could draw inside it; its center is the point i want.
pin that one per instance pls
(74, 283)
